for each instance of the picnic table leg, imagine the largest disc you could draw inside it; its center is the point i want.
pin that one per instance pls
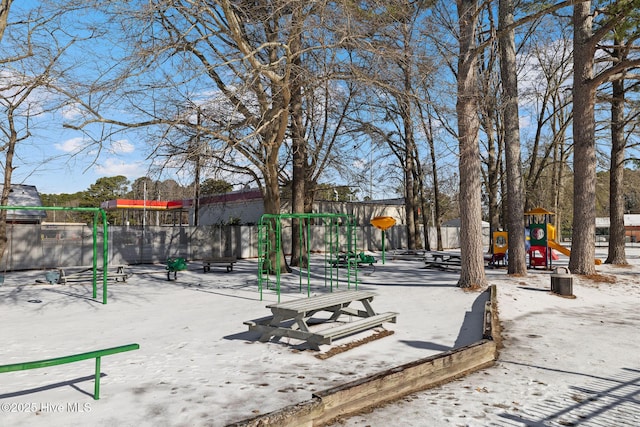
(367, 306)
(336, 314)
(273, 325)
(301, 323)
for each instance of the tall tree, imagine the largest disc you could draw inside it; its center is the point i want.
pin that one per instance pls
(515, 189)
(585, 83)
(623, 40)
(230, 60)
(471, 246)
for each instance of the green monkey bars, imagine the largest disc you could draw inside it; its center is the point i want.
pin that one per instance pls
(270, 247)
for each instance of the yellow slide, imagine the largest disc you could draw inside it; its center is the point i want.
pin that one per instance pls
(553, 245)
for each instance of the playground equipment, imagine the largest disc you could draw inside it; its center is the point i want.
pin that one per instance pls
(174, 265)
(541, 232)
(105, 245)
(499, 247)
(97, 355)
(541, 241)
(339, 234)
(383, 223)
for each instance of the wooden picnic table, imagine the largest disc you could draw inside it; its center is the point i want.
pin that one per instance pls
(82, 273)
(291, 318)
(409, 255)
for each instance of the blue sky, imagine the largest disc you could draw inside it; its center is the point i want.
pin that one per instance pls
(53, 158)
(51, 161)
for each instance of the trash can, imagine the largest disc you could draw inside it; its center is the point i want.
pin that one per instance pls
(562, 281)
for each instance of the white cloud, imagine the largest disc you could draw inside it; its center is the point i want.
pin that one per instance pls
(121, 146)
(71, 112)
(73, 145)
(114, 167)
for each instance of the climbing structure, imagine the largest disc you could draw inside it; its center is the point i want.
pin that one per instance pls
(339, 236)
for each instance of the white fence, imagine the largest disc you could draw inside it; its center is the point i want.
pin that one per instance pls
(49, 246)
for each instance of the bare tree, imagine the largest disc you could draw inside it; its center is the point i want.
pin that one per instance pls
(33, 63)
(621, 49)
(585, 83)
(232, 59)
(5, 5)
(472, 273)
(515, 188)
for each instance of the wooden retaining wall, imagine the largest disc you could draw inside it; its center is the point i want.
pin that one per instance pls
(392, 384)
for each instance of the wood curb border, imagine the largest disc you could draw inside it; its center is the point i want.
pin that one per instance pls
(355, 396)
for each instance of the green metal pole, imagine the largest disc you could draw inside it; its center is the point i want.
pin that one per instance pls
(300, 255)
(278, 253)
(308, 243)
(105, 254)
(96, 387)
(383, 233)
(95, 252)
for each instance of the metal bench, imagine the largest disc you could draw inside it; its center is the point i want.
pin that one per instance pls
(229, 261)
(291, 319)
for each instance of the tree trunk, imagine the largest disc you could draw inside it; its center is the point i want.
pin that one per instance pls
(409, 192)
(436, 185)
(422, 202)
(493, 168)
(472, 271)
(5, 5)
(271, 193)
(299, 148)
(616, 253)
(584, 166)
(8, 173)
(515, 192)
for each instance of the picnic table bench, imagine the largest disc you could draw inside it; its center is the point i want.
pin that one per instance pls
(291, 319)
(442, 260)
(66, 274)
(228, 261)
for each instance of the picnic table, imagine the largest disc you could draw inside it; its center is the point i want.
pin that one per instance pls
(442, 260)
(357, 260)
(84, 272)
(292, 318)
(409, 255)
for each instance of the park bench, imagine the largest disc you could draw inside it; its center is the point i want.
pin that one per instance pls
(228, 261)
(291, 319)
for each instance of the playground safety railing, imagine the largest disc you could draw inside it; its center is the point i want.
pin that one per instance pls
(98, 354)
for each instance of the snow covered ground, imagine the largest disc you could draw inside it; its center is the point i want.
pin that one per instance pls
(564, 362)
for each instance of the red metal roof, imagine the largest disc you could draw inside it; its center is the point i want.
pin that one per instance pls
(159, 205)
